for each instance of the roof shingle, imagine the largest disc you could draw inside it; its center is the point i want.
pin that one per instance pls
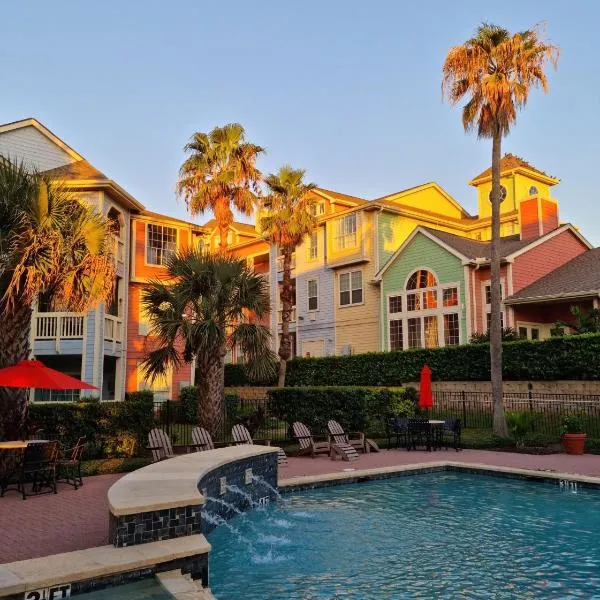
(80, 169)
(509, 162)
(576, 277)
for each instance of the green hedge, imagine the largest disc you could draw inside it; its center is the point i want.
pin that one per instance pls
(111, 428)
(357, 409)
(569, 357)
(236, 375)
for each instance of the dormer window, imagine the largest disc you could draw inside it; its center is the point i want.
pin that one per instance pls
(317, 209)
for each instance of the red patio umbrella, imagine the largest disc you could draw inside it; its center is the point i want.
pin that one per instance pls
(35, 374)
(425, 395)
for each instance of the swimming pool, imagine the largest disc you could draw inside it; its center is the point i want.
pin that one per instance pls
(438, 535)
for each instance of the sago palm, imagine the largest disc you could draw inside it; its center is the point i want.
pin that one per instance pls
(288, 222)
(210, 302)
(49, 243)
(494, 72)
(220, 174)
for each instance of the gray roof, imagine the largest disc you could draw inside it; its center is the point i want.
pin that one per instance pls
(474, 249)
(578, 277)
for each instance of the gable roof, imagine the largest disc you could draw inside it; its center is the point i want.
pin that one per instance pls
(344, 198)
(31, 122)
(238, 226)
(578, 277)
(511, 162)
(80, 169)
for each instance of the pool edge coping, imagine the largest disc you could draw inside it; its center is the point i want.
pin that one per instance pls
(375, 473)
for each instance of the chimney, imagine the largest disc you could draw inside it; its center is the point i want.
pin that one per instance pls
(538, 216)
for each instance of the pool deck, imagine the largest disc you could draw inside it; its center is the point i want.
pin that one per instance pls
(75, 520)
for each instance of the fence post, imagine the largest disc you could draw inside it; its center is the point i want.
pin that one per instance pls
(530, 396)
(464, 409)
(169, 427)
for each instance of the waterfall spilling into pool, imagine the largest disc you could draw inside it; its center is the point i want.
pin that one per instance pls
(436, 535)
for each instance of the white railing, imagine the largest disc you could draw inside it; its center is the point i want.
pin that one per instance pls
(292, 315)
(113, 328)
(66, 326)
(280, 262)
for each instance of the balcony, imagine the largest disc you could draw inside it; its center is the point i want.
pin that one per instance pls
(280, 262)
(113, 329)
(58, 326)
(292, 315)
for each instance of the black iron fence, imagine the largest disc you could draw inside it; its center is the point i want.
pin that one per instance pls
(473, 408)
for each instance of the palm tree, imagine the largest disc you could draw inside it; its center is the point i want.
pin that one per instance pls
(494, 71)
(210, 302)
(288, 222)
(49, 243)
(220, 173)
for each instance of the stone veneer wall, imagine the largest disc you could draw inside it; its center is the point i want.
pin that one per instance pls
(153, 526)
(264, 466)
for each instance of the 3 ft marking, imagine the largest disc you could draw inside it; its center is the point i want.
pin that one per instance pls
(53, 593)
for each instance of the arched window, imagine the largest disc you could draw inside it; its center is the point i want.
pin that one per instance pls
(533, 190)
(425, 314)
(114, 220)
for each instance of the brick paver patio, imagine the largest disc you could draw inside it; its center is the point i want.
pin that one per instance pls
(74, 520)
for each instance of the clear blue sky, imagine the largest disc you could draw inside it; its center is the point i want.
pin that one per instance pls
(348, 90)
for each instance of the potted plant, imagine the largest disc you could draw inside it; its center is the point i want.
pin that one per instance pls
(573, 437)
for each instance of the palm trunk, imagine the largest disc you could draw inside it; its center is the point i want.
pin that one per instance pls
(223, 232)
(499, 423)
(211, 389)
(285, 346)
(15, 327)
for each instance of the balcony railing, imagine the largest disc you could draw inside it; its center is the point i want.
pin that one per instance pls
(280, 262)
(292, 315)
(68, 326)
(113, 328)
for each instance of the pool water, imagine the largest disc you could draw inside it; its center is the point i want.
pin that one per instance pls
(437, 535)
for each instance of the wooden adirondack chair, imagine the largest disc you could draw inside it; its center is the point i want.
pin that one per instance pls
(160, 445)
(307, 442)
(201, 440)
(356, 439)
(241, 435)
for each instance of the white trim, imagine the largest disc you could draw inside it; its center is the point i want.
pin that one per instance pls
(409, 239)
(362, 287)
(466, 275)
(31, 122)
(549, 236)
(376, 229)
(309, 310)
(177, 242)
(486, 308)
(411, 273)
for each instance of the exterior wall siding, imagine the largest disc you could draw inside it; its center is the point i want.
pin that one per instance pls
(545, 257)
(27, 144)
(426, 254)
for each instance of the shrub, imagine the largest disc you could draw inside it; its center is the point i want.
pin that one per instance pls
(520, 425)
(569, 357)
(573, 424)
(188, 397)
(237, 375)
(357, 409)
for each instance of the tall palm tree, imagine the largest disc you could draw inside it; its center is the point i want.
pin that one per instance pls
(288, 222)
(49, 243)
(495, 71)
(209, 303)
(219, 174)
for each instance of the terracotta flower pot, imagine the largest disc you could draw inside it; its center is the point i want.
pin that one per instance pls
(574, 443)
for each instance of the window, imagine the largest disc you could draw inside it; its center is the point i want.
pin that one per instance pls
(160, 244)
(488, 320)
(313, 294)
(535, 333)
(396, 334)
(346, 232)
(533, 190)
(313, 246)
(144, 322)
(426, 315)
(523, 333)
(414, 333)
(159, 385)
(451, 331)
(317, 209)
(488, 301)
(395, 304)
(351, 288)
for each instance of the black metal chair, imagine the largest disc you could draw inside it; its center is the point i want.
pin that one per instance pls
(451, 434)
(418, 434)
(10, 468)
(39, 468)
(398, 427)
(69, 465)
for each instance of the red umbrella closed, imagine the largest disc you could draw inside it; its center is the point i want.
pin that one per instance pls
(425, 395)
(34, 374)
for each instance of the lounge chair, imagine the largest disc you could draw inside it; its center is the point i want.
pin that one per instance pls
(202, 440)
(69, 464)
(307, 442)
(241, 435)
(160, 445)
(356, 439)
